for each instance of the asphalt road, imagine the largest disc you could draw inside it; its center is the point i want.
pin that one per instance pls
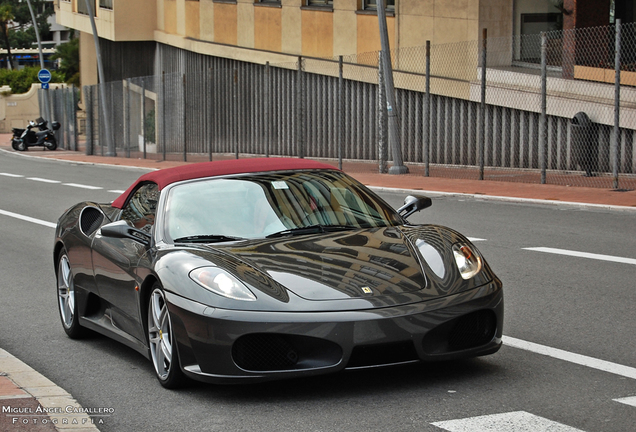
(579, 305)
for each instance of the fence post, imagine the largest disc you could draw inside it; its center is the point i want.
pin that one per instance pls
(127, 119)
(543, 122)
(235, 102)
(88, 99)
(340, 114)
(143, 113)
(68, 113)
(300, 138)
(482, 113)
(185, 121)
(209, 124)
(383, 122)
(427, 113)
(75, 123)
(617, 104)
(163, 113)
(268, 113)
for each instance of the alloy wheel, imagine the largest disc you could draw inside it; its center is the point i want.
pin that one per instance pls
(65, 292)
(160, 334)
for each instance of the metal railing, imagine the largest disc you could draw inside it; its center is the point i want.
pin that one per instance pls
(548, 122)
(64, 108)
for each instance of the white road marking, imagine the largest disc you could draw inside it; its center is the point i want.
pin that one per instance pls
(11, 175)
(591, 362)
(627, 401)
(517, 421)
(475, 239)
(43, 180)
(28, 219)
(83, 186)
(117, 191)
(583, 255)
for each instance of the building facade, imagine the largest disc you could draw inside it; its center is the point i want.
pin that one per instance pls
(276, 31)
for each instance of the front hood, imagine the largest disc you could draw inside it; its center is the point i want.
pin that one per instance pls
(346, 270)
(352, 264)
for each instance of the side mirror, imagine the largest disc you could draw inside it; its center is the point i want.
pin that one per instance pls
(121, 229)
(413, 204)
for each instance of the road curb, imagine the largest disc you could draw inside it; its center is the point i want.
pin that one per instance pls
(483, 197)
(64, 412)
(504, 199)
(55, 159)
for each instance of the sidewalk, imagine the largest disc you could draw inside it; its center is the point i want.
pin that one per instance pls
(367, 174)
(24, 390)
(31, 402)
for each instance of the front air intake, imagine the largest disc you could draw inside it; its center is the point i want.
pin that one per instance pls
(465, 332)
(262, 352)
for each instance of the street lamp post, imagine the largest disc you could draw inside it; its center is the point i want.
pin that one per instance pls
(47, 108)
(102, 86)
(385, 61)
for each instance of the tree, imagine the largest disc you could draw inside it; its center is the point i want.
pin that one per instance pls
(68, 53)
(6, 17)
(16, 24)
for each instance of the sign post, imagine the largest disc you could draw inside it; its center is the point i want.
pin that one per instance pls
(47, 108)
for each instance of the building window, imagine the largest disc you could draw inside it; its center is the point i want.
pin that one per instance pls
(373, 5)
(81, 7)
(268, 1)
(106, 4)
(325, 3)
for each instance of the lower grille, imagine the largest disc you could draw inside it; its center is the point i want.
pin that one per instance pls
(382, 354)
(472, 330)
(262, 352)
(465, 332)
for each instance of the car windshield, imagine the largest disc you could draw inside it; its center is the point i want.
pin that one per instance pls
(257, 206)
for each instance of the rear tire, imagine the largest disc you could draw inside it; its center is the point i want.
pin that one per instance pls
(161, 341)
(51, 144)
(66, 302)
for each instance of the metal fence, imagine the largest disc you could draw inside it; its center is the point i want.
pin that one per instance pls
(63, 106)
(557, 117)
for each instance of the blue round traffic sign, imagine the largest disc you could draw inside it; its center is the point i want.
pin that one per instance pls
(44, 75)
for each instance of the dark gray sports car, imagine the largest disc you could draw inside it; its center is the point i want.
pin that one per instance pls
(260, 269)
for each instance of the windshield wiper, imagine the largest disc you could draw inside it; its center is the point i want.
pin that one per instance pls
(311, 229)
(210, 238)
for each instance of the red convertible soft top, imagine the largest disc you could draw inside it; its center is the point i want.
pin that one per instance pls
(168, 176)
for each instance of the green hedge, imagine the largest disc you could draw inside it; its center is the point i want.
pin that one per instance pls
(20, 80)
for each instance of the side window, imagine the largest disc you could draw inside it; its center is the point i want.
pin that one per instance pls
(141, 210)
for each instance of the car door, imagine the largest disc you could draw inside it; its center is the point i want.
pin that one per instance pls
(115, 263)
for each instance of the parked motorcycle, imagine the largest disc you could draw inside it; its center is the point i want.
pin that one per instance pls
(25, 138)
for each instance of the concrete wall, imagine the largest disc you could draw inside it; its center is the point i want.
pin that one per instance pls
(17, 109)
(128, 21)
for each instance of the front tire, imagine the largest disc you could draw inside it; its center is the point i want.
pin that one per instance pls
(163, 347)
(66, 301)
(18, 144)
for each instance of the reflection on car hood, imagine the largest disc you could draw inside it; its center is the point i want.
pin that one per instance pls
(352, 264)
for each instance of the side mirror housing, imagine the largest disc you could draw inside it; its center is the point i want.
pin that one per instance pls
(414, 203)
(121, 229)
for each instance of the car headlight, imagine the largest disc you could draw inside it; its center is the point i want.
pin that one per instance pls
(222, 283)
(467, 259)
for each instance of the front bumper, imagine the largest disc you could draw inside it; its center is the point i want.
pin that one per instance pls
(219, 345)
